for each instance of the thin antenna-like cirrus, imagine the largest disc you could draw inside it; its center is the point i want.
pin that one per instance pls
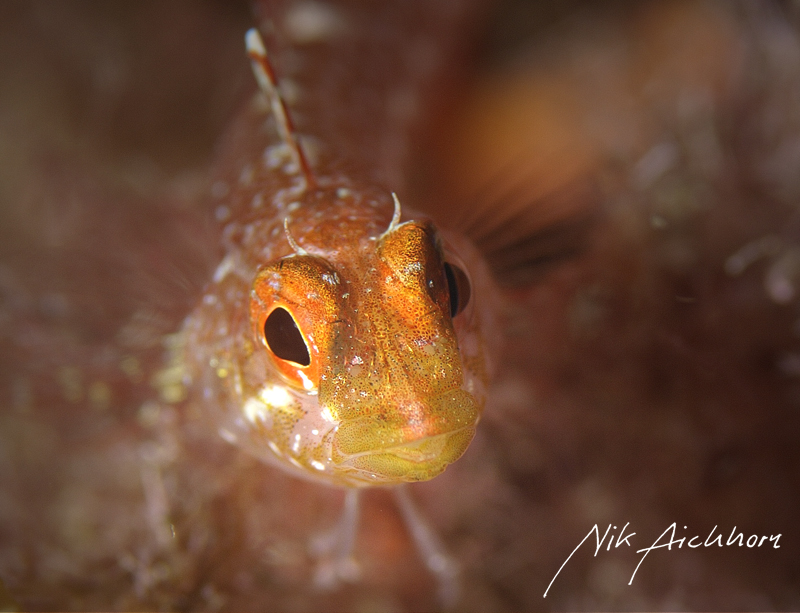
(395, 217)
(292, 243)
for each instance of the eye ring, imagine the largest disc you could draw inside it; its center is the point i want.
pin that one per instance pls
(283, 338)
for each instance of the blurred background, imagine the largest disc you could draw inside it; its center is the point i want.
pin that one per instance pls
(631, 172)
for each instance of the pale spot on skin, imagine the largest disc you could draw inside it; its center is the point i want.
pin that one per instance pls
(275, 395)
(308, 384)
(255, 410)
(327, 415)
(224, 268)
(276, 156)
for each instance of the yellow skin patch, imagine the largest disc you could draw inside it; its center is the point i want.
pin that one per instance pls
(342, 362)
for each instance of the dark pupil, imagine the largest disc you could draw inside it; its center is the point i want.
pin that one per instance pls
(284, 338)
(458, 286)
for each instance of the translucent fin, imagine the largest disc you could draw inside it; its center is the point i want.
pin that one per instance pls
(431, 549)
(334, 549)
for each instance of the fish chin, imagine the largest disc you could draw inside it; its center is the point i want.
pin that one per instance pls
(419, 460)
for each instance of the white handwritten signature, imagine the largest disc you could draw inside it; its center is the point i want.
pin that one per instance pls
(753, 540)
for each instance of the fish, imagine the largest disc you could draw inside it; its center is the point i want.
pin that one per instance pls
(337, 339)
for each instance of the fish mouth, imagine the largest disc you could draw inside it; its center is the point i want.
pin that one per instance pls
(410, 441)
(415, 461)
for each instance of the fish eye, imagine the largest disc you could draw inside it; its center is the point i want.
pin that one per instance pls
(458, 287)
(284, 338)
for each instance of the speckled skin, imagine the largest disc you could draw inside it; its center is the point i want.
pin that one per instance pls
(395, 386)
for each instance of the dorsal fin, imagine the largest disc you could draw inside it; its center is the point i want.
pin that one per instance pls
(265, 75)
